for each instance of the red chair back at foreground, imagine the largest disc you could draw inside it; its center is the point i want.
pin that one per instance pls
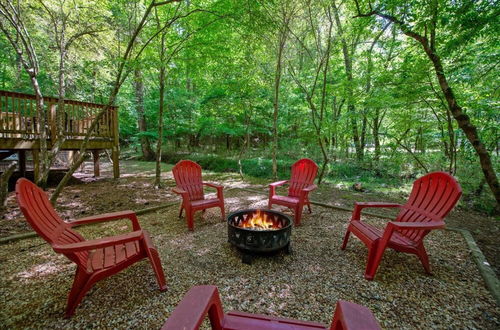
(187, 175)
(203, 300)
(433, 196)
(300, 185)
(95, 259)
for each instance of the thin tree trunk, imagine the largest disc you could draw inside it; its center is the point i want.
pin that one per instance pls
(398, 141)
(42, 130)
(4, 184)
(326, 160)
(349, 86)
(160, 113)
(147, 152)
(375, 133)
(246, 144)
(375, 122)
(57, 144)
(277, 84)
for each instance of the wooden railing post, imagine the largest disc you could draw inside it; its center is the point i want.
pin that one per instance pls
(53, 121)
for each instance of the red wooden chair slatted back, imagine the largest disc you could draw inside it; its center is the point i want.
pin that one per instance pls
(95, 259)
(303, 174)
(300, 185)
(42, 217)
(188, 178)
(433, 196)
(202, 301)
(187, 175)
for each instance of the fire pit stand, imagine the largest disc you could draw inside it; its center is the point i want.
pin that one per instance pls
(254, 241)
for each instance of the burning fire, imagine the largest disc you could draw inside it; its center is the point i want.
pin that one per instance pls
(260, 221)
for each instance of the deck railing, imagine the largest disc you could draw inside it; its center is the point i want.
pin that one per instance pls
(19, 120)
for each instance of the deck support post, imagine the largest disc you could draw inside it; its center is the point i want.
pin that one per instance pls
(22, 162)
(115, 153)
(71, 158)
(36, 164)
(95, 156)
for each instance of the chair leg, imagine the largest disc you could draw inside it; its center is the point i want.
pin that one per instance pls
(269, 204)
(223, 212)
(424, 258)
(189, 219)
(374, 258)
(298, 214)
(155, 261)
(181, 208)
(346, 239)
(81, 285)
(336, 322)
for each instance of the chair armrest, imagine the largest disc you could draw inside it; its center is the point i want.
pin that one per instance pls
(219, 188)
(418, 225)
(99, 243)
(272, 187)
(349, 315)
(179, 191)
(376, 204)
(310, 188)
(278, 183)
(213, 185)
(108, 217)
(196, 304)
(358, 206)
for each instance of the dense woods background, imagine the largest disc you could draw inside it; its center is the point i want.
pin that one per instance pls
(377, 92)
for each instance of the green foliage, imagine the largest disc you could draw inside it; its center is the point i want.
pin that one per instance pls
(220, 64)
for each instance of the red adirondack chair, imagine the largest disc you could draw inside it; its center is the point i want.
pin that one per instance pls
(433, 196)
(300, 185)
(189, 182)
(95, 259)
(203, 300)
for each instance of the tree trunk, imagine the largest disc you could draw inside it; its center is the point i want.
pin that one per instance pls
(59, 140)
(376, 138)
(42, 129)
(349, 86)
(4, 184)
(277, 84)
(375, 122)
(161, 77)
(467, 127)
(147, 152)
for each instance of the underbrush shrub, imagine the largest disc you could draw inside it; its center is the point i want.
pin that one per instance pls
(374, 176)
(256, 167)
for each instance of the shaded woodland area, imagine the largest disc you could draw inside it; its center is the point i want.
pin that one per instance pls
(376, 92)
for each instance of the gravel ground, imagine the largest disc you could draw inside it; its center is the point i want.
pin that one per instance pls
(34, 281)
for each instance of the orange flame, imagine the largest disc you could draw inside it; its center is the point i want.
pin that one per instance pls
(260, 221)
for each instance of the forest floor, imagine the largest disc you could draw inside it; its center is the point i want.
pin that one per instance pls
(34, 280)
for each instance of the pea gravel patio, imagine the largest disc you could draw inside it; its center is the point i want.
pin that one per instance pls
(34, 281)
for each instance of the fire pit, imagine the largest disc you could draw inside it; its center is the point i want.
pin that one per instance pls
(259, 231)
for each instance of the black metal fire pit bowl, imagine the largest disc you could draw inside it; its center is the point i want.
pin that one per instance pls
(252, 241)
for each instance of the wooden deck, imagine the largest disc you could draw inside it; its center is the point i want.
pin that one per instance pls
(20, 129)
